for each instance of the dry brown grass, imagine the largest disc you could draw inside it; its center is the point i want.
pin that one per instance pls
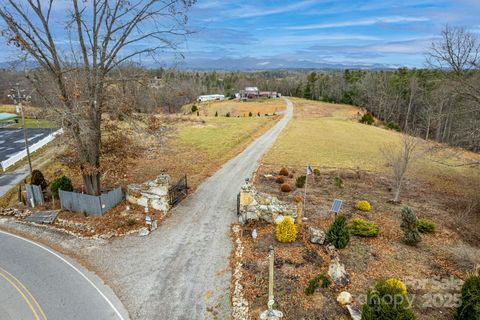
(318, 109)
(329, 136)
(238, 108)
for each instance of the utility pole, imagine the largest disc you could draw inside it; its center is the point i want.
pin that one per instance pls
(17, 97)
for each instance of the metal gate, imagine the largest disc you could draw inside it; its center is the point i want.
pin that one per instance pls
(179, 191)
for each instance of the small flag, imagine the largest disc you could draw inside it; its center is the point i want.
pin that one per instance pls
(309, 170)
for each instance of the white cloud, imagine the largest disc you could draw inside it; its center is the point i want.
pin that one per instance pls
(361, 22)
(301, 39)
(255, 11)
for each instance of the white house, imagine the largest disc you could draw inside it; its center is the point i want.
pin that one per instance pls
(211, 97)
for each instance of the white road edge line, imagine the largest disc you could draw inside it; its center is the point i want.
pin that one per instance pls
(73, 267)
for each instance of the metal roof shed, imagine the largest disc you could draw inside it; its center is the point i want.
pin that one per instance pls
(8, 116)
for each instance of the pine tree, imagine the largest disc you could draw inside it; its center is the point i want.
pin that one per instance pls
(307, 92)
(409, 227)
(469, 307)
(338, 233)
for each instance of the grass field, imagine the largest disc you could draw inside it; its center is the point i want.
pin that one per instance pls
(219, 135)
(35, 123)
(237, 108)
(30, 122)
(329, 135)
(9, 108)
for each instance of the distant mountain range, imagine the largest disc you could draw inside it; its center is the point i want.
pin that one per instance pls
(241, 64)
(251, 64)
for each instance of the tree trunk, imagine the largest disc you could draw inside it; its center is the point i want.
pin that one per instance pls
(428, 129)
(407, 116)
(90, 159)
(396, 196)
(92, 184)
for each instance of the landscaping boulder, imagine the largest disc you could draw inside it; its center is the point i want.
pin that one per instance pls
(336, 271)
(355, 312)
(256, 205)
(143, 232)
(153, 194)
(316, 235)
(344, 298)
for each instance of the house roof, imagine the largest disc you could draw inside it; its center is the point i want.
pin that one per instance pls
(7, 116)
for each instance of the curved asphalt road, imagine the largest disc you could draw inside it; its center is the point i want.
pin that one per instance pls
(37, 283)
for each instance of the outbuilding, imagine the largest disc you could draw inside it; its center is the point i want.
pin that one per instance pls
(7, 119)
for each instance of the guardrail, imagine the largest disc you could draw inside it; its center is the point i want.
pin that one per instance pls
(34, 147)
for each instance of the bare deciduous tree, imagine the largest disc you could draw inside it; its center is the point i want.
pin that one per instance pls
(458, 50)
(399, 158)
(101, 36)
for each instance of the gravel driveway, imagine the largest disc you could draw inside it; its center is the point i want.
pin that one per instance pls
(181, 270)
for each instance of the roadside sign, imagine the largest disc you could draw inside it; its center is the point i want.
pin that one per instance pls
(148, 220)
(336, 205)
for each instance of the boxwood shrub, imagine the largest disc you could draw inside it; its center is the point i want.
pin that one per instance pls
(425, 226)
(360, 227)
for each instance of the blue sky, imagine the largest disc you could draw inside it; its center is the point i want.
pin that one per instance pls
(390, 32)
(290, 33)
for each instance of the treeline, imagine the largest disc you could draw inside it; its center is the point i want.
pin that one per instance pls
(428, 103)
(441, 103)
(433, 104)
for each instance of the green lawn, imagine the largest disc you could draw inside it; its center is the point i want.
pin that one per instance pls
(329, 142)
(30, 122)
(35, 123)
(221, 135)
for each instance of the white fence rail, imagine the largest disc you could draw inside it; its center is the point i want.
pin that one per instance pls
(34, 147)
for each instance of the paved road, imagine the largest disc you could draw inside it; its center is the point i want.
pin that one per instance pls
(11, 179)
(37, 283)
(181, 270)
(12, 141)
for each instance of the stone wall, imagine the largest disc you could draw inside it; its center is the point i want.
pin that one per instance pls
(256, 205)
(153, 194)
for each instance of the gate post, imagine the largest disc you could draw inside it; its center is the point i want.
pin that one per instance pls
(186, 185)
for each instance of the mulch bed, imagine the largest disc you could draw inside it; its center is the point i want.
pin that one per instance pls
(366, 259)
